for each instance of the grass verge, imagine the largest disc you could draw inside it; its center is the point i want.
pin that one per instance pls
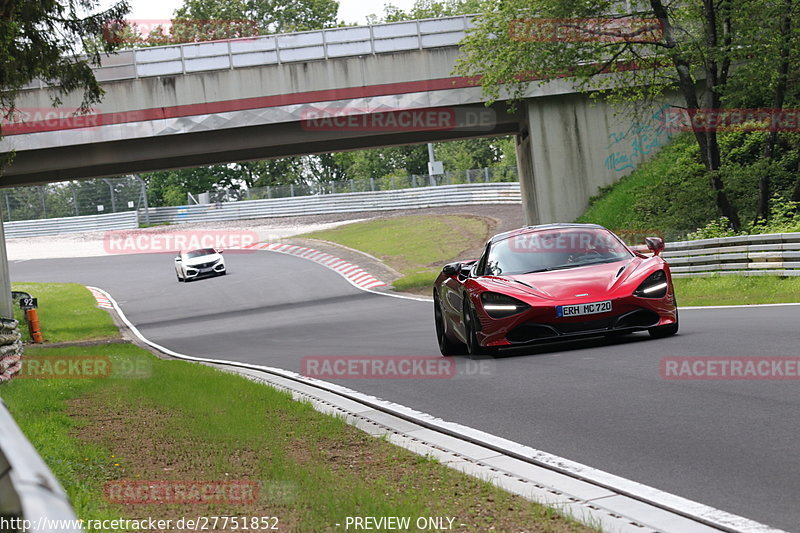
(177, 421)
(66, 312)
(737, 290)
(417, 246)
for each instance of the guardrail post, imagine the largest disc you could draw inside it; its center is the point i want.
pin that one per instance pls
(291, 189)
(372, 184)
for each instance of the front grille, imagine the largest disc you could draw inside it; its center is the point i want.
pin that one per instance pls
(638, 319)
(530, 332)
(204, 265)
(586, 325)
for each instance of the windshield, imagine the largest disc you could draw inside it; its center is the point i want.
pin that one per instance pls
(540, 251)
(200, 253)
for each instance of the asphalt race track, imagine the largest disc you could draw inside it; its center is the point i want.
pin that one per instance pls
(730, 444)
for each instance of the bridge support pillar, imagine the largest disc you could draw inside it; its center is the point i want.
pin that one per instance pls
(570, 146)
(6, 304)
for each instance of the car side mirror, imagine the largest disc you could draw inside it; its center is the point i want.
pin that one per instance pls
(655, 244)
(178, 258)
(465, 270)
(451, 269)
(220, 251)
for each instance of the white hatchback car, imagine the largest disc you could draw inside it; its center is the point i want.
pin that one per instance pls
(197, 263)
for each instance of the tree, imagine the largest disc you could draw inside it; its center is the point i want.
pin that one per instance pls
(43, 39)
(423, 9)
(268, 16)
(663, 47)
(767, 70)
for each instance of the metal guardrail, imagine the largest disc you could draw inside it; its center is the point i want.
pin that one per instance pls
(283, 48)
(746, 255)
(28, 490)
(56, 226)
(438, 196)
(414, 198)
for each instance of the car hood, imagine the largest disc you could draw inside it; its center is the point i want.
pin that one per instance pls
(202, 259)
(587, 281)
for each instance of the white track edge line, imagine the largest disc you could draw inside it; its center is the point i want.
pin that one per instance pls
(667, 501)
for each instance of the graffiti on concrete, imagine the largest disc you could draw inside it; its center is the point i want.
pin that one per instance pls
(627, 148)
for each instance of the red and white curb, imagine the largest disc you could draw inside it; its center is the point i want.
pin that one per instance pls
(102, 299)
(349, 271)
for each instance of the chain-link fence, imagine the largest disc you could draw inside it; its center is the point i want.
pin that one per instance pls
(387, 183)
(73, 198)
(114, 195)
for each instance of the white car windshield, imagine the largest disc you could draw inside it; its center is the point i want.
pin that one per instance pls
(200, 253)
(539, 251)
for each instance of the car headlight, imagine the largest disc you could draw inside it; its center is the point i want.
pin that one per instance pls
(499, 305)
(655, 286)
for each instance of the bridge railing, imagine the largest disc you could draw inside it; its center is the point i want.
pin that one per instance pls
(281, 48)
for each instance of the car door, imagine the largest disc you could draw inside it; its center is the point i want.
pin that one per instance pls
(453, 294)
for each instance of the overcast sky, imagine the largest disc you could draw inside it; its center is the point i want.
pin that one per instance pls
(349, 10)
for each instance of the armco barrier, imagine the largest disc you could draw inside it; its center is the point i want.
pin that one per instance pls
(55, 226)
(439, 196)
(28, 490)
(747, 255)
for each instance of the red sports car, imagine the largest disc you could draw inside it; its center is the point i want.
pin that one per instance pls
(552, 282)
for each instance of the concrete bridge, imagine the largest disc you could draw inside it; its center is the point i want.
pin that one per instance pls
(316, 92)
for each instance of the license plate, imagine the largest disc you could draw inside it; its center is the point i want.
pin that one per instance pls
(583, 309)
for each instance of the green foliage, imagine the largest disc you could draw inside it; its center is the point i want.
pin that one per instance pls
(720, 227)
(270, 16)
(43, 40)
(423, 9)
(504, 50)
(669, 192)
(784, 217)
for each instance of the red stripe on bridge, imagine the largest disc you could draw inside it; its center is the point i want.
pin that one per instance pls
(224, 106)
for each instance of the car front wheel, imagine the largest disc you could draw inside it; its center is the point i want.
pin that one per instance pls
(470, 328)
(446, 346)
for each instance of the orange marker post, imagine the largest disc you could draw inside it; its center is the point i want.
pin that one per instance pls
(33, 325)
